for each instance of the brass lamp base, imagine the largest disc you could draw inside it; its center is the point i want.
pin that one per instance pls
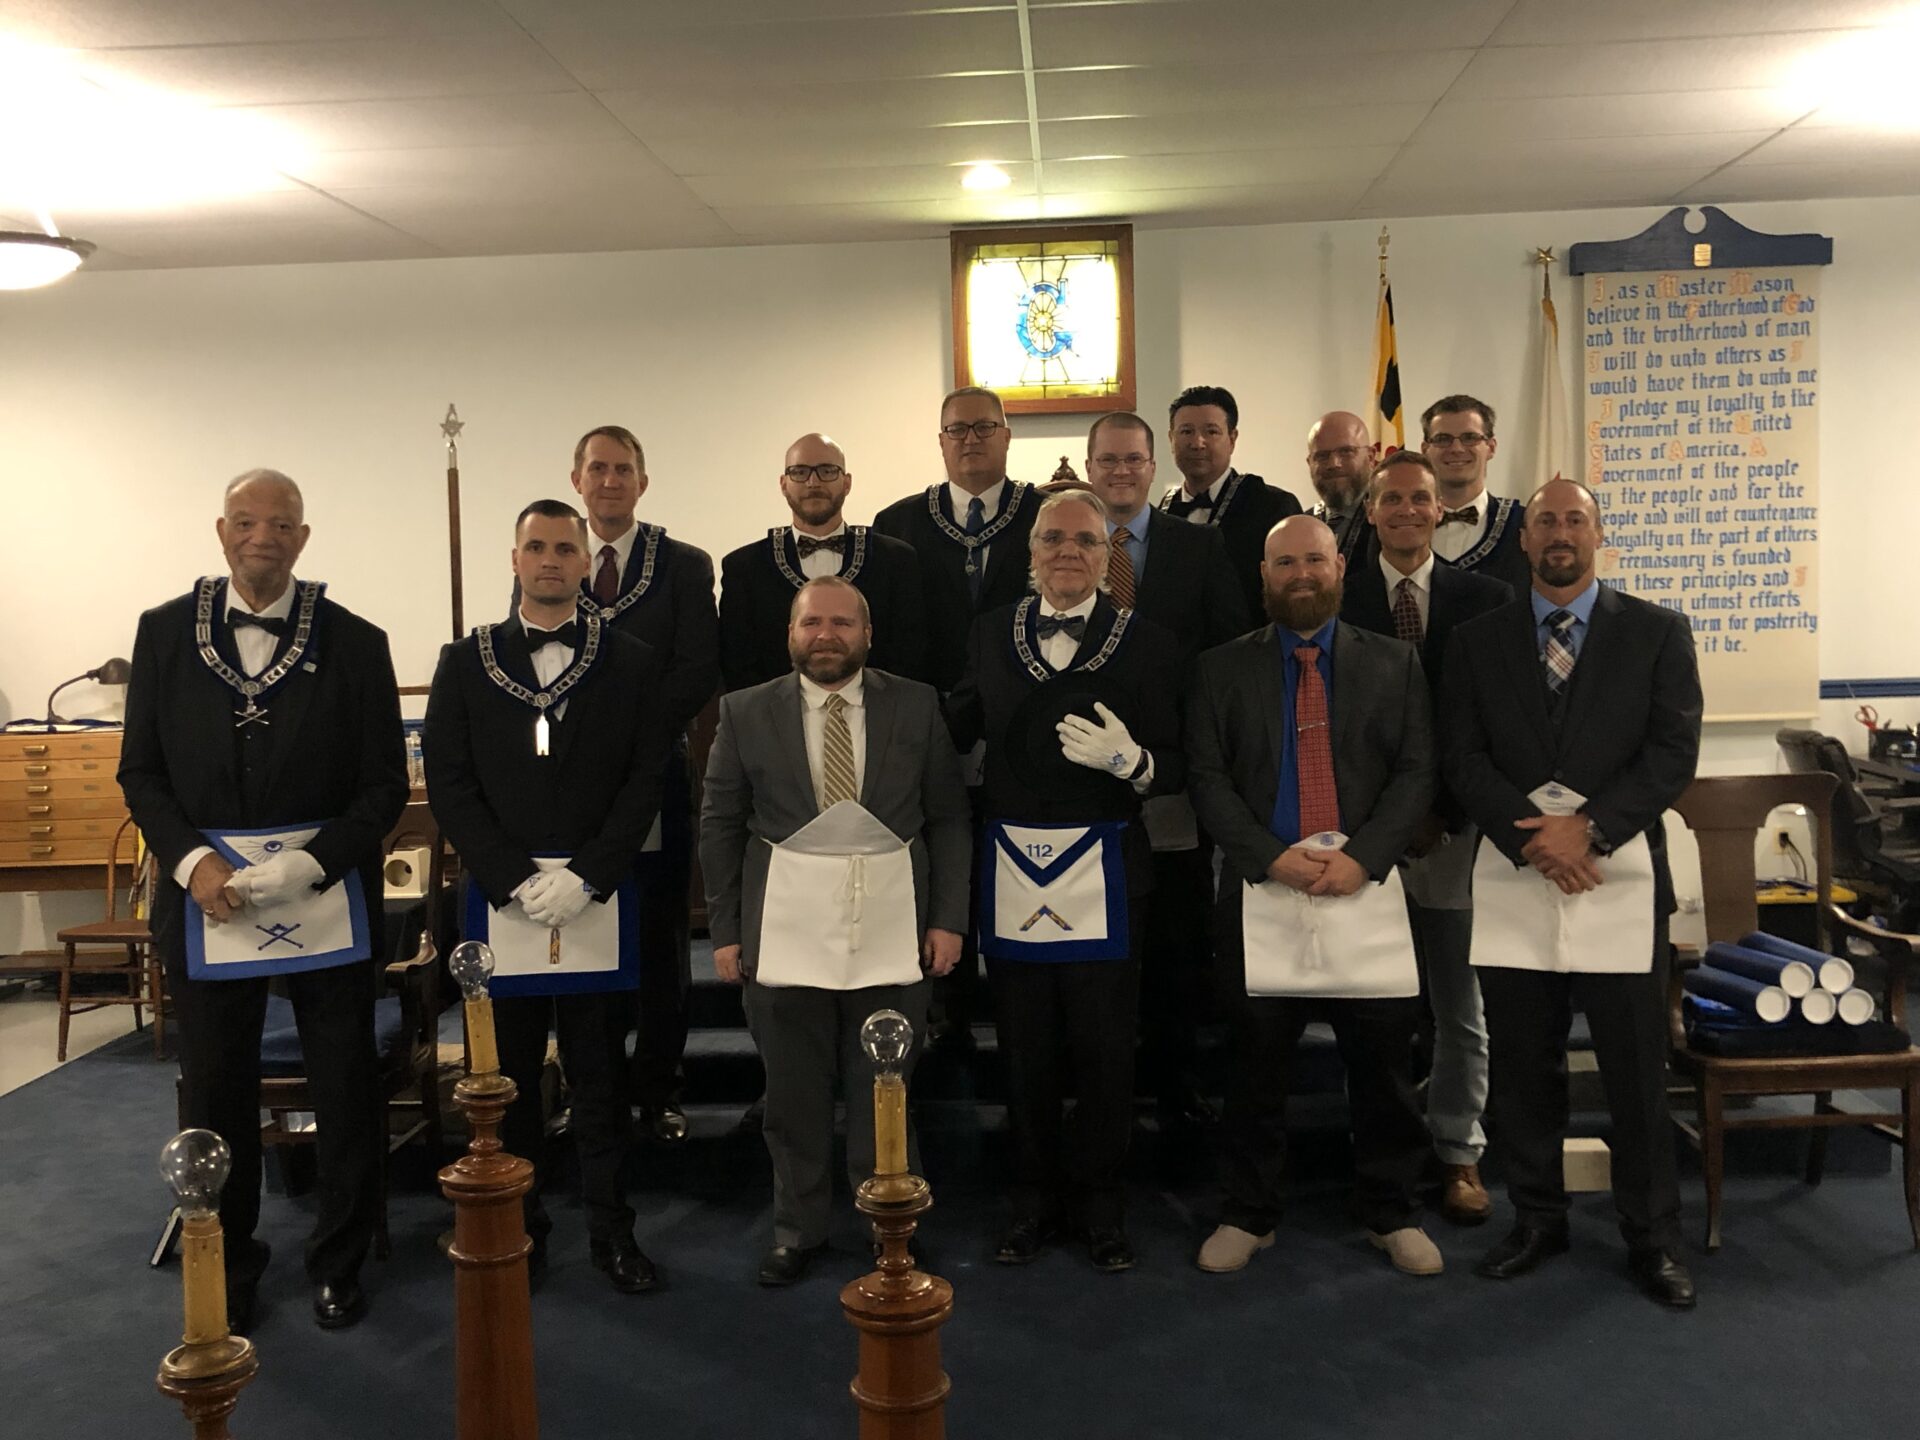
(207, 1380)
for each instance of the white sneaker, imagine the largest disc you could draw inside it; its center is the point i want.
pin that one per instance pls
(1410, 1250)
(1230, 1248)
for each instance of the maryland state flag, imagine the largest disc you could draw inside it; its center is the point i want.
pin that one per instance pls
(1389, 431)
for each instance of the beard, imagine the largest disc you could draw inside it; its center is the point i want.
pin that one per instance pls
(817, 509)
(1559, 568)
(830, 663)
(1303, 610)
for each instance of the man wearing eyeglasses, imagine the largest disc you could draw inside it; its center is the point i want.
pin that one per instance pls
(1477, 531)
(1178, 576)
(758, 581)
(1340, 456)
(1203, 427)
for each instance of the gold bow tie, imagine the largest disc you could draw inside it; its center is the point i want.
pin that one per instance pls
(1465, 515)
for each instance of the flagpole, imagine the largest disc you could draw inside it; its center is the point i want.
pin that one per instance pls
(1554, 419)
(1384, 413)
(451, 428)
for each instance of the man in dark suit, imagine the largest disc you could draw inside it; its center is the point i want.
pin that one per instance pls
(1075, 699)
(1585, 696)
(1312, 764)
(1404, 591)
(546, 737)
(659, 590)
(1177, 576)
(255, 702)
(829, 732)
(1203, 426)
(1340, 456)
(1476, 531)
(971, 536)
(758, 581)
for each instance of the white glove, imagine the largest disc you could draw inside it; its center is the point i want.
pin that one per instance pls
(288, 876)
(555, 898)
(1107, 746)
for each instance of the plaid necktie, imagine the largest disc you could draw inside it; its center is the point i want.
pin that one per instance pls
(606, 580)
(836, 754)
(1406, 614)
(1120, 571)
(1557, 656)
(1313, 752)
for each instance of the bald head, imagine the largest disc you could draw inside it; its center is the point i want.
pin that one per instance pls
(1561, 536)
(814, 480)
(1340, 455)
(1302, 574)
(258, 485)
(262, 530)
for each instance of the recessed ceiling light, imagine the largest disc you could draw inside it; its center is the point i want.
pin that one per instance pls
(985, 177)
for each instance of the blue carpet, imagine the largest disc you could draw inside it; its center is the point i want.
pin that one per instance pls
(1806, 1321)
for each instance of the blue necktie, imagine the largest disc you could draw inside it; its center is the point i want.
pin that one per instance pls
(976, 567)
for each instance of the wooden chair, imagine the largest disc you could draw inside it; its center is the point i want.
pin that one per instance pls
(113, 946)
(1725, 813)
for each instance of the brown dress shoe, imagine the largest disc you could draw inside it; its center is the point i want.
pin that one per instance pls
(1463, 1199)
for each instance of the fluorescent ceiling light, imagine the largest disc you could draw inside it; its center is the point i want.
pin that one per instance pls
(28, 260)
(1865, 77)
(985, 176)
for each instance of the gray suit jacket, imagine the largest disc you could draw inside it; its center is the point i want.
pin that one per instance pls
(1383, 759)
(759, 791)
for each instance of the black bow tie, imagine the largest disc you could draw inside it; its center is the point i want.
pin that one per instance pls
(240, 619)
(1073, 626)
(1465, 515)
(567, 635)
(808, 545)
(1181, 506)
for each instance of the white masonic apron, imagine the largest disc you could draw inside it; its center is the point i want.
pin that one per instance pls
(839, 912)
(1054, 892)
(599, 950)
(319, 929)
(1523, 921)
(1337, 947)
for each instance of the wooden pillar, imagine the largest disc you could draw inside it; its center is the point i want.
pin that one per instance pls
(493, 1312)
(901, 1389)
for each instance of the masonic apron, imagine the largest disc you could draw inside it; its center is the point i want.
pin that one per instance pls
(599, 951)
(1336, 947)
(1054, 892)
(315, 931)
(839, 911)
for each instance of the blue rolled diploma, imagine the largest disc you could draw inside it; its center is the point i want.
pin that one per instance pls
(1832, 972)
(1768, 1004)
(1796, 977)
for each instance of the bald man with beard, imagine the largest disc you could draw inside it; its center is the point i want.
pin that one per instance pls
(1340, 459)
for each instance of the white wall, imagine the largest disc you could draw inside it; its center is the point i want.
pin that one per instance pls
(127, 399)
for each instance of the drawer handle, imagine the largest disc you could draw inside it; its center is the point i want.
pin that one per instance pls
(39, 809)
(33, 749)
(39, 789)
(39, 769)
(42, 850)
(40, 830)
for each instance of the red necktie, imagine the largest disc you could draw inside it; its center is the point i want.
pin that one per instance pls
(606, 581)
(1120, 571)
(1406, 614)
(1313, 754)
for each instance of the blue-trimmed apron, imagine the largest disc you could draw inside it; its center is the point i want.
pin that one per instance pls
(1054, 892)
(316, 931)
(599, 951)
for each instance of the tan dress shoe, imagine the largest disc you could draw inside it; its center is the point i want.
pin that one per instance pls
(1463, 1199)
(1229, 1248)
(1410, 1250)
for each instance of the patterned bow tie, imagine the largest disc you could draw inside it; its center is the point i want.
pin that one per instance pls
(240, 620)
(808, 545)
(1073, 626)
(1465, 515)
(567, 635)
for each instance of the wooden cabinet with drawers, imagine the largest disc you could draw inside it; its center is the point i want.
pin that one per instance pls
(59, 808)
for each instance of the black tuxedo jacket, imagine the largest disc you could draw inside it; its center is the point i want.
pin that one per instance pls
(1457, 597)
(950, 610)
(1629, 732)
(1188, 589)
(1142, 678)
(1383, 762)
(334, 750)
(593, 798)
(1499, 554)
(1244, 519)
(756, 596)
(676, 618)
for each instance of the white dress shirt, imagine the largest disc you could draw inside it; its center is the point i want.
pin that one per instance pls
(1212, 492)
(1058, 650)
(622, 552)
(813, 721)
(989, 498)
(1422, 579)
(550, 659)
(824, 562)
(255, 647)
(1450, 542)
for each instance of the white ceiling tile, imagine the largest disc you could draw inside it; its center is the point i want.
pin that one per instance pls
(404, 67)
(1148, 85)
(1470, 121)
(1804, 180)
(563, 118)
(1422, 195)
(507, 168)
(614, 16)
(456, 221)
(1207, 205)
(1840, 146)
(292, 205)
(87, 24)
(1556, 22)
(1338, 125)
(1521, 157)
(684, 108)
(834, 149)
(1203, 31)
(1205, 171)
(1727, 62)
(845, 187)
(341, 235)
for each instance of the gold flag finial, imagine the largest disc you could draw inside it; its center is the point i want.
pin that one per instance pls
(1385, 240)
(1543, 257)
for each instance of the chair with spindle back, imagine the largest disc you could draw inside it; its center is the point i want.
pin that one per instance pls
(117, 945)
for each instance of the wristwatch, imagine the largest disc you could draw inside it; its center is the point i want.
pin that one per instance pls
(1597, 839)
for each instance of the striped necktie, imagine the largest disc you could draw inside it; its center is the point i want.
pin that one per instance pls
(1313, 753)
(1120, 570)
(1406, 614)
(836, 754)
(1557, 656)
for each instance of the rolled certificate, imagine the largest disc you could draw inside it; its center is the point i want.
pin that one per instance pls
(1818, 1007)
(1856, 1007)
(1832, 972)
(1796, 977)
(1768, 1004)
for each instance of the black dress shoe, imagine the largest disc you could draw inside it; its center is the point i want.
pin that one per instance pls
(1025, 1239)
(338, 1304)
(624, 1263)
(1662, 1277)
(1520, 1252)
(667, 1125)
(786, 1264)
(239, 1309)
(1109, 1249)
